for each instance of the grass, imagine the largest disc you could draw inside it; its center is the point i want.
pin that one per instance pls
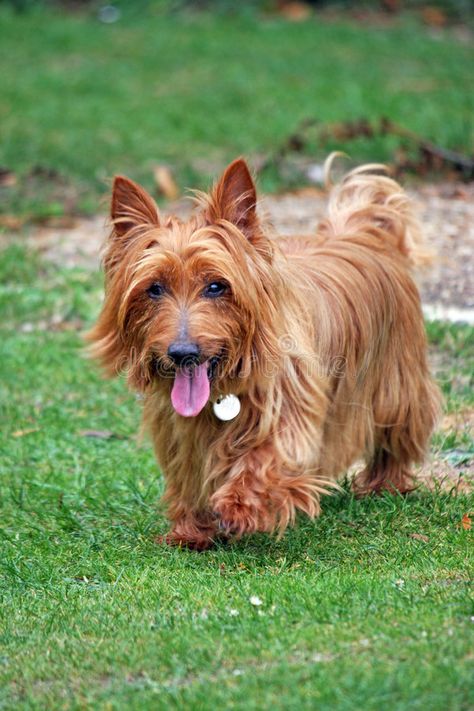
(82, 100)
(370, 606)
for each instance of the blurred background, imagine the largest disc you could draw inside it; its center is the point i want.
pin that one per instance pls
(169, 91)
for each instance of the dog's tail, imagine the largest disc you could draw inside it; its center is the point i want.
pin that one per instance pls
(368, 201)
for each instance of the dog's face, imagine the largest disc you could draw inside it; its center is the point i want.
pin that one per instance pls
(186, 302)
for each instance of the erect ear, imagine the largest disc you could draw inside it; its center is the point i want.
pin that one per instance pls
(234, 197)
(131, 206)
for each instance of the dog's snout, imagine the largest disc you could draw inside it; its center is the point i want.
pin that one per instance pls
(184, 353)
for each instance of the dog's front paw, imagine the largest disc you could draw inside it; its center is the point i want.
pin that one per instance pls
(191, 533)
(235, 517)
(194, 543)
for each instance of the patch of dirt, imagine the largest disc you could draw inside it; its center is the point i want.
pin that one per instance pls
(458, 422)
(447, 212)
(441, 475)
(440, 471)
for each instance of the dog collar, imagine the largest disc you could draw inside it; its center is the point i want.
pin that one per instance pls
(226, 407)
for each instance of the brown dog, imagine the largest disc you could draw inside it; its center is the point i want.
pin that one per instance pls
(318, 343)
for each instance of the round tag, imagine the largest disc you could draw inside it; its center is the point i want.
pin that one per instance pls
(226, 407)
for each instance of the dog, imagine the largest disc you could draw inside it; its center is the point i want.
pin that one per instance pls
(269, 365)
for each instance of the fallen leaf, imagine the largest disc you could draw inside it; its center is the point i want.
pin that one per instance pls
(466, 522)
(22, 433)
(57, 222)
(100, 434)
(295, 11)
(419, 537)
(7, 178)
(434, 16)
(165, 182)
(74, 324)
(11, 222)
(391, 5)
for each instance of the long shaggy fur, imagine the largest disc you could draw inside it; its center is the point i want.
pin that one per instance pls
(321, 338)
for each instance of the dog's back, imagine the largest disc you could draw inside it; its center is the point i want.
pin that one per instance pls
(357, 272)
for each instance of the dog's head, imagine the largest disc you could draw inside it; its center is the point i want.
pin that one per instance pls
(189, 305)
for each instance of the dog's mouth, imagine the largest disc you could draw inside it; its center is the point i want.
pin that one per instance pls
(192, 387)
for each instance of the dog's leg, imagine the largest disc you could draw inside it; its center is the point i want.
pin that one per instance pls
(403, 440)
(196, 531)
(190, 527)
(384, 473)
(399, 446)
(258, 496)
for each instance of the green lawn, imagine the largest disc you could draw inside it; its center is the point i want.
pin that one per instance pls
(81, 100)
(367, 607)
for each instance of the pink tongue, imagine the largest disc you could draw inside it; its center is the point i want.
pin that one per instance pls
(191, 390)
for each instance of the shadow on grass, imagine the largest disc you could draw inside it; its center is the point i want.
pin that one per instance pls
(348, 528)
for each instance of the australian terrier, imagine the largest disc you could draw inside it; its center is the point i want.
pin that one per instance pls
(269, 365)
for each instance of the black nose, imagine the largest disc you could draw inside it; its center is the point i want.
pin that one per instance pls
(184, 353)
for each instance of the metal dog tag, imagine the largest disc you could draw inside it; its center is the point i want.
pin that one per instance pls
(226, 407)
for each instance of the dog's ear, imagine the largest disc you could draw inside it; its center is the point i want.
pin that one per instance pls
(131, 206)
(235, 198)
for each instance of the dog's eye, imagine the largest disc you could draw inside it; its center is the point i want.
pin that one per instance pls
(155, 290)
(215, 288)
